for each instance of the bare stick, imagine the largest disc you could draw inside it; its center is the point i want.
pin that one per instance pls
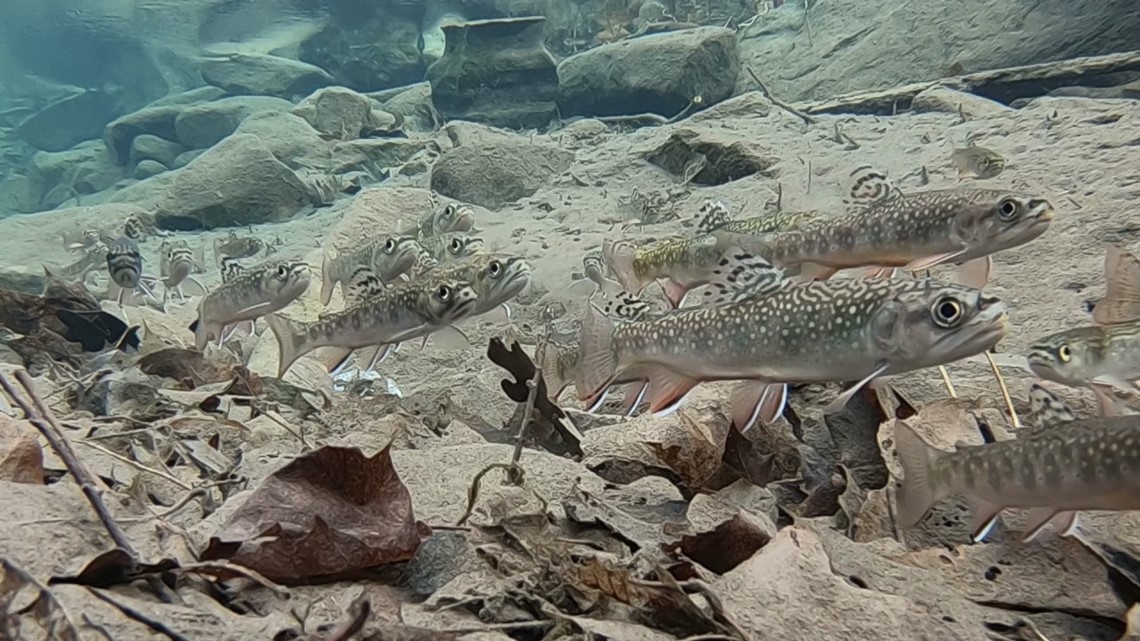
(946, 381)
(131, 613)
(808, 120)
(45, 422)
(1004, 391)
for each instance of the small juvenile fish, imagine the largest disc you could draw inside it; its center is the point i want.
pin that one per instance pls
(387, 256)
(137, 228)
(595, 271)
(558, 362)
(124, 264)
(248, 295)
(977, 161)
(94, 256)
(399, 312)
(1090, 464)
(768, 331)
(884, 227)
(236, 246)
(1104, 354)
(452, 246)
(684, 263)
(176, 263)
(452, 217)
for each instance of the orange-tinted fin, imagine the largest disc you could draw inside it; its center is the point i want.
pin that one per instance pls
(840, 401)
(1121, 302)
(1105, 403)
(976, 273)
(932, 261)
(753, 401)
(667, 389)
(634, 395)
(674, 291)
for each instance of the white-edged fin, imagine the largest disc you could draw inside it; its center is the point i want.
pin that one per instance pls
(1112, 380)
(983, 517)
(976, 272)
(1040, 518)
(342, 365)
(362, 285)
(741, 276)
(667, 388)
(1121, 302)
(500, 314)
(756, 400)
(674, 292)
(449, 338)
(869, 185)
(634, 395)
(597, 366)
(601, 398)
(840, 401)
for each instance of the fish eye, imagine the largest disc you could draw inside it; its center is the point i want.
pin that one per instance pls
(282, 271)
(449, 211)
(495, 269)
(1064, 353)
(947, 311)
(444, 293)
(390, 245)
(1008, 209)
(456, 245)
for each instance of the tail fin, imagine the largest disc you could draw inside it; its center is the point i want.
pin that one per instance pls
(619, 255)
(712, 216)
(328, 282)
(869, 185)
(597, 364)
(1121, 302)
(291, 343)
(918, 492)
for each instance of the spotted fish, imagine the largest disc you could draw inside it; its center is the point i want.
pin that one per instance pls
(1089, 464)
(445, 248)
(768, 331)
(250, 294)
(683, 264)
(884, 227)
(713, 216)
(452, 217)
(387, 256)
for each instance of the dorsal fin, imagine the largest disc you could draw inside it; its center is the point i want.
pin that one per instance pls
(869, 185)
(1046, 410)
(230, 269)
(1121, 302)
(623, 306)
(362, 285)
(741, 276)
(712, 216)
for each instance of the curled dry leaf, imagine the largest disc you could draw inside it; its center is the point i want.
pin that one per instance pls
(21, 459)
(327, 513)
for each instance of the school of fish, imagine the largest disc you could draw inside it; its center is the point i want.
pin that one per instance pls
(768, 301)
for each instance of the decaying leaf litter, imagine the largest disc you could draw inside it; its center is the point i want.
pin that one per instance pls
(217, 502)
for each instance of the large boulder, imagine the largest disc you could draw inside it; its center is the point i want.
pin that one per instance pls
(61, 176)
(369, 46)
(289, 137)
(659, 73)
(337, 112)
(203, 125)
(153, 120)
(863, 45)
(264, 75)
(236, 183)
(498, 171)
(150, 147)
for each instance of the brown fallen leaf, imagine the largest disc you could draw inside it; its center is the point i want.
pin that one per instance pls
(21, 458)
(191, 368)
(328, 513)
(21, 595)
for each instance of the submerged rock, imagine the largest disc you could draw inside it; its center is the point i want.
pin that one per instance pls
(289, 137)
(264, 75)
(494, 173)
(154, 120)
(151, 147)
(337, 112)
(659, 73)
(498, 72)
(204, 125)
(236, 183)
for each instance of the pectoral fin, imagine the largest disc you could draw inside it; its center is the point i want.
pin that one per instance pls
(841, 401)
(753, 401)
(976, 273)
(667, 389)
(983, 518)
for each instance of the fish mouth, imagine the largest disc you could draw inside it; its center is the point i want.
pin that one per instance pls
(1042, 364)
(988, 330)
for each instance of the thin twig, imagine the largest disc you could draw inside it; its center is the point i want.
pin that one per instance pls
(131, 613)
(198, 568)
(139, 466)
(808, 120)
(946, 381)
(1004, 391)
